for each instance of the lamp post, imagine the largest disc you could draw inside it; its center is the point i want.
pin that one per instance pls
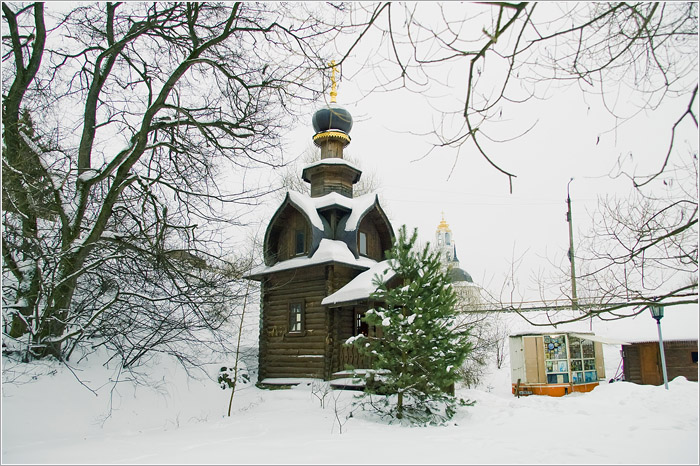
(657, 312)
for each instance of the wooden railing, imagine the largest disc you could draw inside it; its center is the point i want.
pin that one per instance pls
(349, 356)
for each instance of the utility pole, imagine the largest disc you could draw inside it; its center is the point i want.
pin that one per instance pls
(570, 220)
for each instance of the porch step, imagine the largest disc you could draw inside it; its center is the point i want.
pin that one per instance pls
(352, 379)
(348, 383)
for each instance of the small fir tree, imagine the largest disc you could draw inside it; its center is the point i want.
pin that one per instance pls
(420, 349)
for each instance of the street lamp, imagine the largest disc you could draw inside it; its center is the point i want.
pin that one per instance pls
(657, 312)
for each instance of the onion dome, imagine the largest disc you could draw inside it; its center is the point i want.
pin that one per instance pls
(459, 275)
(332, 118)
(333, 122)
(443, 226)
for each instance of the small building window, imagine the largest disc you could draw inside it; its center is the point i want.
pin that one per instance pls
(300, 242)
(447, 239)
(556, 361)
(363, 243)
(582, 354)
(296, 317)
(694, 356)
(361, 327)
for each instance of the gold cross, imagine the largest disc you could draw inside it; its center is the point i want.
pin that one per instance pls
(334, 83)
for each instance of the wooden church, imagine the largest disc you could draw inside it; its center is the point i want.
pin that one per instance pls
(314, 246)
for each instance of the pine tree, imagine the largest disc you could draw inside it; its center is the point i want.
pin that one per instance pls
(420, 348)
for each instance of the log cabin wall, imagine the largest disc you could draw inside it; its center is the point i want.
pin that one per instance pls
(679, 359)
(642, 361)
(313, 352)
(287, 354)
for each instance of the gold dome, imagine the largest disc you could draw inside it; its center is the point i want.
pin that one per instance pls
(443, 226)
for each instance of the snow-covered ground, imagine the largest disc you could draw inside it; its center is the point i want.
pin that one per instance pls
(178, 420)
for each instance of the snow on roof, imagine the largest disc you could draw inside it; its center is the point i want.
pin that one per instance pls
(361, 205)
(307, 205)
(361, 286)
(310, 206)
(333, 198)
(328, 251)
(331, 161)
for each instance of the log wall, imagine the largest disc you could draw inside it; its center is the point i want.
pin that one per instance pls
(642, 361)
(314, 351)
(285, 354)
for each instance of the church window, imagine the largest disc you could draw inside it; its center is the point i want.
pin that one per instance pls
(296, 317)
(300, 242)
(447, 239)
(363, 243)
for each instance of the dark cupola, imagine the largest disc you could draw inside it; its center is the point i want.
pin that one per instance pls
(332, 125)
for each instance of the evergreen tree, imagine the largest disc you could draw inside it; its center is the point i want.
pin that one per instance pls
(419, 349)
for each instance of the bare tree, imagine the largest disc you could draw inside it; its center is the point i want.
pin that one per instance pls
(515, 52)
(129, 132)
(632, 57)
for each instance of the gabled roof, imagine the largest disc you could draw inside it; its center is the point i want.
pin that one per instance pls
(341, 250)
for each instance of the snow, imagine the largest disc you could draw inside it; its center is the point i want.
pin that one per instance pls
(54, 420)
(310, 206)
(328, 251)
(307, 206)
(331, 161)
(361, 286)
(361, 205)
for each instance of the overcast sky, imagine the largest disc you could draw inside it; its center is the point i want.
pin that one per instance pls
(572, 136)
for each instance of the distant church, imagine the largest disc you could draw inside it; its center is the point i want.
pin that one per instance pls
(469, 293)
(314, 246)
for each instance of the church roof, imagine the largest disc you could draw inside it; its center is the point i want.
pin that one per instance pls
(326, 246)
(459, 275)
(310, 206)
(328, 251)
(331, 161)
(361, 286)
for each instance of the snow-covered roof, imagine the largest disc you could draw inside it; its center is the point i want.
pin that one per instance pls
(329, 251)
(307, 206)
(358, 206)
(361, 286)
(344, 238)
(330, 161)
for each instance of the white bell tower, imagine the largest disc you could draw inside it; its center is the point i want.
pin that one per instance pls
(445, 244)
